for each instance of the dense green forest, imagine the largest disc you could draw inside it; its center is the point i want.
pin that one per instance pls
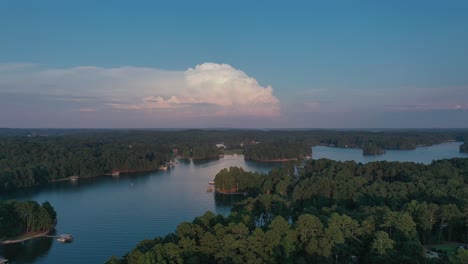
(235, 179)
(200, 152)
(18, 217)
(278, 150)
(30, 157)
(327, 212)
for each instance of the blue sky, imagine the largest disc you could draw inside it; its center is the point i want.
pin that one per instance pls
(266, 64)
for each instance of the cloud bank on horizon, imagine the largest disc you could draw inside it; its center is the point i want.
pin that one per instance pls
(208, 89)
(208, 95)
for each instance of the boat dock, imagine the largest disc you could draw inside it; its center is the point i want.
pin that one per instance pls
(211, 186)
(65, 238)
(74, 178)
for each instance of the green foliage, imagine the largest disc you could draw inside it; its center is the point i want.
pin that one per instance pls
(381, 212)
(382, 243)
(372, 149)
(460, 258)
(236, 179)
(21, 217)
(276, 151)
(30, 157)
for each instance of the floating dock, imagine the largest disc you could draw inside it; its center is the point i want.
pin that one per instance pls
(74, 178)
(65, 238)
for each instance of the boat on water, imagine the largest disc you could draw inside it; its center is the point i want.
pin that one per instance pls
(3, 260)
(211, 183)
(65, 238)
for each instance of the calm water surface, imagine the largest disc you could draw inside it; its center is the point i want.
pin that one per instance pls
(109, 216)
(421, 155)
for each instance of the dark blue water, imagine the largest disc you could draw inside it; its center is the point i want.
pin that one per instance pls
(421, 155)
(109, 216)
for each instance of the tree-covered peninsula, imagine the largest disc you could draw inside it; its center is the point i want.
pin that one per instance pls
(276, 151)
(20, 220)
(328, 212)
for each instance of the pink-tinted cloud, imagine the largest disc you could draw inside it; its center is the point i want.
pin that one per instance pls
(207, 89)
(230, 91)
(87, 110)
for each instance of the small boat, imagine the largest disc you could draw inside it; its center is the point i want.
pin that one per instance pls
(211, 183)
(3, 260)
(65, 238)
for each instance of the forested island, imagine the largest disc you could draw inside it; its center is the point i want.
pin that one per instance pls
(236, 180)
(328, 212)
(23, 220)
(372, 149)
(201, 152)
(464, 147)
(31, 157)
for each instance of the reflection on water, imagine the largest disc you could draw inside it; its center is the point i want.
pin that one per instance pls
(27, 251)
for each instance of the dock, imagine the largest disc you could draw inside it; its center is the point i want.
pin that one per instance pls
(74, 178)
(65, 238)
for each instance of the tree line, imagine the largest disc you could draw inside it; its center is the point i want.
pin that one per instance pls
(278, 150)
(30, 157)
(327, 212)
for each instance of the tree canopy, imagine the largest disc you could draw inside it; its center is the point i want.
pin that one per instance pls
(328, 212)
(17, 217)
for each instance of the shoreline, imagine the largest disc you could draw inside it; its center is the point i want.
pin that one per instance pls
(273, 160)
(105, 174)
(29, 236)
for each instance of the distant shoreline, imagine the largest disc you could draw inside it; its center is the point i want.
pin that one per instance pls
(28, 236)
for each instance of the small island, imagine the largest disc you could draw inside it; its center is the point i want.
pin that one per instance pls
(235, 180)
(200, 152)
(22, 221)
(372, 150)
(464, 147)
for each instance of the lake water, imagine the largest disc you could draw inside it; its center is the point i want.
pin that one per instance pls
(109, 216)
(421, 155)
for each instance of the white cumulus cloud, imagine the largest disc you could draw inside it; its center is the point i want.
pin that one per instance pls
(208, 89)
